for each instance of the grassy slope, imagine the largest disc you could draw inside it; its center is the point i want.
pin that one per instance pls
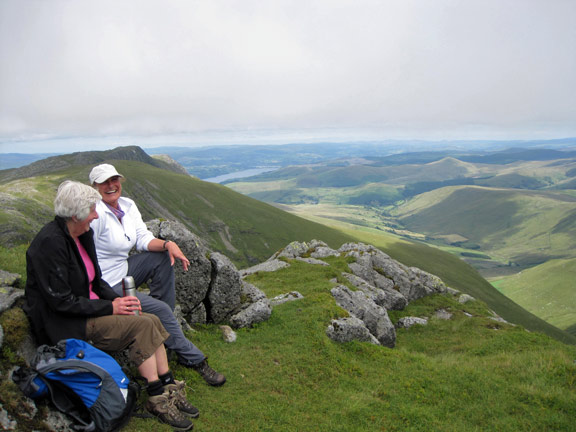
(246, 230)
(452, 270)
(286, 192)
(556, 303)
(468, 373)
(523, 226)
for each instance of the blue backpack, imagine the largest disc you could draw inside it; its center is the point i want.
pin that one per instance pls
(83, 382)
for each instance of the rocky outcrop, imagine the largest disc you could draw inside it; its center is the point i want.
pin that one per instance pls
(212, 290)
(350, 329)
(380, 284)
(374, 317)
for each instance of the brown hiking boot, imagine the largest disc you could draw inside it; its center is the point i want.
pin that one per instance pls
(178, 393)
(163, 406)
(210, 375)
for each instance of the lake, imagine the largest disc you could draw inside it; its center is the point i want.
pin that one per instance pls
(240, 174)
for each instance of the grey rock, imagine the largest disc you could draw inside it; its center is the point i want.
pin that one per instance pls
(192, 285)
(386, 297)
(452, 291)
(254, 313)
(57, 422)
(198, 314)
(374, 317)
(225, 288)
(443, 314)
(407, 322)
(380, 270)
(350, 329)
(498, 318)
(27, 348)
(8, 297)
(313, 261)
(228, 334)
(9, 279)
(180, 317)
(292, 250)
(465, 298)
(266, 266)
(5, 421)
(250, 294)
(324, 252)
(283, 298)
(254, 308)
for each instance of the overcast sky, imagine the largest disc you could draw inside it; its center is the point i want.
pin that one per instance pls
(102, 73)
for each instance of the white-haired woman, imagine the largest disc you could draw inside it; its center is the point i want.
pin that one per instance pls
(67, 298)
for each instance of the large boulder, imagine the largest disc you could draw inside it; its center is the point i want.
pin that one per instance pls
(212, 289)
(386, 296)
(254, 307)
(192, 285)
(374, 317)
(225, 288)
(350, 329)
(380, 270)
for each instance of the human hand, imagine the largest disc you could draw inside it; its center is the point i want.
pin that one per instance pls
(175, 253)
(126, 305)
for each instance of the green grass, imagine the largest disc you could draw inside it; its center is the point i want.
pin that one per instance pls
(14, 260)
(555, 304)
(468, 373)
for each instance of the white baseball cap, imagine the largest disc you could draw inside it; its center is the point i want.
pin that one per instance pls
(101, 173)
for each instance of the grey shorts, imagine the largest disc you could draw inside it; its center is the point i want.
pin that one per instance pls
(142, 335)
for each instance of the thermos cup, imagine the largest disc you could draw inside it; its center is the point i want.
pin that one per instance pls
(129, 288)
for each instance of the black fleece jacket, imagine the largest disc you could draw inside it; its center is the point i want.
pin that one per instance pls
(57, 293)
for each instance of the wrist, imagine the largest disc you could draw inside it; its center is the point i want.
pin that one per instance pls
(165, 245)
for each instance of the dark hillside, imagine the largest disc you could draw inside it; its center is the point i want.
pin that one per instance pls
(246, 230)
(61, 162)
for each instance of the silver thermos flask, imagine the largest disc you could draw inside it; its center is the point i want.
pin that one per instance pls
(129, 288)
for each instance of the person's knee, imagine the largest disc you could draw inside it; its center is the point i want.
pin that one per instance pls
(155, 320)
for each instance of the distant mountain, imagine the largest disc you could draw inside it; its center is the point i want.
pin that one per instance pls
(55, 163)
(206, 162)
(15, 160)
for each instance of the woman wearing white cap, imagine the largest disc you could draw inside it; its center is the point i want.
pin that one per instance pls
(119, 229)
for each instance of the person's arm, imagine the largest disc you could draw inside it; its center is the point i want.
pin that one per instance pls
(146, 240)
(56, 271)
(158, 245)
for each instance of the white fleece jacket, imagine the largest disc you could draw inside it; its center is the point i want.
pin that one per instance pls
(115, 239)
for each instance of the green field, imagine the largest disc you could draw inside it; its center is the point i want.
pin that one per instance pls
(547, 290)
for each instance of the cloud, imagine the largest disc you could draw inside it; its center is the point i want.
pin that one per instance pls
(149, 66)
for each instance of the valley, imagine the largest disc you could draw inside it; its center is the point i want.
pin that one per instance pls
(506, 218)
(505, 212)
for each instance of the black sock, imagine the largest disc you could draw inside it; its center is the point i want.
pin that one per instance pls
(167, 378)
(155, 388)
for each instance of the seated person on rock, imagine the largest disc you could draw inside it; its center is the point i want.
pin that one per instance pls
(67, 298)
(117, 231)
